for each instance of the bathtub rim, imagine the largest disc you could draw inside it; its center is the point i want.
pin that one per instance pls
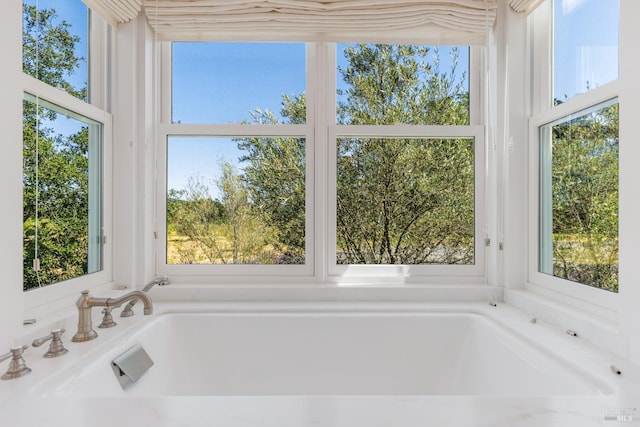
(591, 365)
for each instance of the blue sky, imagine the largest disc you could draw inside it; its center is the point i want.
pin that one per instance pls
(74, 12)
(585, 56)
(222, 83)
(219, 83)
(586, 45)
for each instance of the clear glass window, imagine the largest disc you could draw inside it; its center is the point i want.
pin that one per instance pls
(62, 208)
(393, 189)
(405, 201)
(236, 200)
(585, 46)
(252, 83)
(381, 84)
(55, 43)
(579, 197)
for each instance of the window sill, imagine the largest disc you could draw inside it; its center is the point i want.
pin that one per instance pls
(312, 292)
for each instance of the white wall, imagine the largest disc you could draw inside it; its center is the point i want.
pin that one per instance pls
(513, 149)
(148, 109)
(507, 118)
(125, 151)
(10, 174)
(630, 174)
(133, 148)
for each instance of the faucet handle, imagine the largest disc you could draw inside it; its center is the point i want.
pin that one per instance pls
(17, 366)
(12, 352)
(107, 318)
(56, 348)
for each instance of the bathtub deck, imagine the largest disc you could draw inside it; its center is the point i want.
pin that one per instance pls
(21, 405)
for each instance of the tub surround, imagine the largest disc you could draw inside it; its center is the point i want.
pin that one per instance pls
(32, 400)
(600, 331)
(327, 292)
(435, 352)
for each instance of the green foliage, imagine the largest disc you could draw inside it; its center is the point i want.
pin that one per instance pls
(399, 200)
(193, 213)
(249, 235)
(585, 199)
(392, 84)
(59, 174)
(275, 178)
(403, 201)
(225, 231)
(61, 257)
(411, 200)
(262, 208)
(48, 49)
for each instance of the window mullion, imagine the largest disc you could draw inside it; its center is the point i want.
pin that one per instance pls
(165, 83)
(323, 80)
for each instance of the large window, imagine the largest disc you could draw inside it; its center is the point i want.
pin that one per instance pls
(63, 143)
(575, 131)
(579, 197)
(302, 156)
(62, 194)
(237, 150)
(235, 200)
(405, 201)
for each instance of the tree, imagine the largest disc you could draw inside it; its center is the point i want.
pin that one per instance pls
(225, 230)
(391, 84)
(248, 234)
(275, 178)
(403, 200)
(58, 175)
(400, 200)
(49, 49)
(585, 199)
(192, 212)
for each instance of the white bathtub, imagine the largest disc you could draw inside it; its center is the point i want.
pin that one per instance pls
(407, 353)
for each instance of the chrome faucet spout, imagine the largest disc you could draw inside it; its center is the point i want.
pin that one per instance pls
(131, 296)
(86, 302)
(127, 311)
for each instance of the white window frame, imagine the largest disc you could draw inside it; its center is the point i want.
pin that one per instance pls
(541, 42)
(406, 272)
(166, 129)
(320, 133)
(100, 58)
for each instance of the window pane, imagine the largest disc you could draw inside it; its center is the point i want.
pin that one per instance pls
(235, 200)
(62, 181)
(405, 201)
(585, 46)
(55, 44)
(238, 82)
(402, 84)
(579, 197)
